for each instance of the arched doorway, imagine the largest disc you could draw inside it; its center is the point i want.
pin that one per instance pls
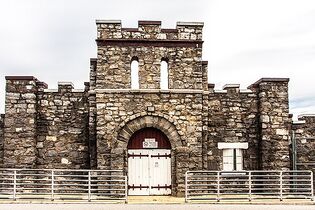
(149, 163)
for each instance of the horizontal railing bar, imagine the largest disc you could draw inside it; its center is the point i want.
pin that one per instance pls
(43, 184)
(64, 170)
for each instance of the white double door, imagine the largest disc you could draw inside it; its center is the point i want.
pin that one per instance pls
(149, 171)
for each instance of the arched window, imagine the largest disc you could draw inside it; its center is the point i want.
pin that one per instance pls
(134, 73)
(164, 74)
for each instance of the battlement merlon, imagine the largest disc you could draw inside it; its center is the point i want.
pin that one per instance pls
(25, 83)
(149, 30)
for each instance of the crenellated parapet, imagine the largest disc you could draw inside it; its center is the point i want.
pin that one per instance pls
(149, 45)
(45, 128)
(149, 30)
(62, 139)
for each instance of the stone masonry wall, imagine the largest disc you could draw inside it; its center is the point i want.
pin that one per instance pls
(305, 142)
(63, 134)
(274, 122)
(233, 119)
(149, 44)
(182, 110)
(20, 122)
(1, 138)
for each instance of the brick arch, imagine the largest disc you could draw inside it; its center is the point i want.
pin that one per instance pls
(127, 129)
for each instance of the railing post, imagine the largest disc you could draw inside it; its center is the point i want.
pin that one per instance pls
(250, 185)
(281, 187)
(186, 191)
(89, 186)
(52, 185)
(312, 186)
(14, 185)
(218, 186)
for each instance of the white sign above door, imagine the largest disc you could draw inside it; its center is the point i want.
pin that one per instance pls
(150, 143)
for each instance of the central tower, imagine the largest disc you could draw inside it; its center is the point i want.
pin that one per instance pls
(127, 95)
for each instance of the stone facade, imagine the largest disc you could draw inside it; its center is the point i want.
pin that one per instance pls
(62, 125)
(233, 117)
(90, 128)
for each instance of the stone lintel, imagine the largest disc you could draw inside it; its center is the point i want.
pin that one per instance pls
(232, 145)
(21, 78)
(65, 84)
(149, 22)
(98, 21)
(231, 86)
(180, 23)
(298, 122)
(268, 79)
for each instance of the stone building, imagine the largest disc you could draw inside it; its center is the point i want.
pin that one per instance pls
(155, 124)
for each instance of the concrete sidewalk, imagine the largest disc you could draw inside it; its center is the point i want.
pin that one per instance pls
(181, 200)
(98, 206)
(164, 200)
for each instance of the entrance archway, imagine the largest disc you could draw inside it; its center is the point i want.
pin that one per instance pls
(149, 163)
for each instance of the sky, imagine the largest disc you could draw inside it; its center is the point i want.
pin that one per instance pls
(244, 40)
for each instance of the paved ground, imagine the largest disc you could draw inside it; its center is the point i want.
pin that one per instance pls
(151, 207)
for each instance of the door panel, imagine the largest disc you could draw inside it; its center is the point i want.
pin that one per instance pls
(149, 172)
(138, 172)
(160, 172)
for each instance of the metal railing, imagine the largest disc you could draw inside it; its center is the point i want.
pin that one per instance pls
(62, 184)
(248, 185)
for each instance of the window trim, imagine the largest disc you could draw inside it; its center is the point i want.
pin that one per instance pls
(233, 147)
(229, 145)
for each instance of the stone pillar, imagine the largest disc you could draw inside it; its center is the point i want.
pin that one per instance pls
(20, 122)
(182, 161)
(187, 158)
(274, 121)
(92, 114)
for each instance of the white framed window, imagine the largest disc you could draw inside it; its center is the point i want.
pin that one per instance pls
(232, 160)
(232, 155)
